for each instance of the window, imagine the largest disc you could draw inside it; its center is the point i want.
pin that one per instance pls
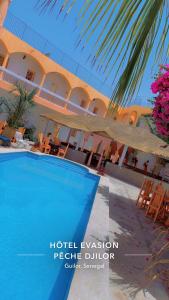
(30, 75)
(1, 59)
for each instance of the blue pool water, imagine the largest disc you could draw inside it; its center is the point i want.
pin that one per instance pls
(42, 199)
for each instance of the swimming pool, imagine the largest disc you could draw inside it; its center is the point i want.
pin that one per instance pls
(42, 199)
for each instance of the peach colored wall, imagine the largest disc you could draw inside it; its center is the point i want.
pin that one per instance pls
(14, 45)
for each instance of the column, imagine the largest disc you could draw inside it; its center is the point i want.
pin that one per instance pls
(69, 135)
(123, 156)
(56, 130)
(90, 159)
(100, 160)
(85, 139)
(95, 144)
(80, 139)
(4, 65)
(88, 105)
(104, 146)
(41, 84)
(67, 99)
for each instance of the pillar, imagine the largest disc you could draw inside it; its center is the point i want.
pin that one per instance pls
(67, 99)
(87, 107)
(100, 160)
(56, 130)
(41, 84)
(104, 146)
(85, 139)
(80, 139)
(95, 144)
(4, 65)
(123, 156)
(69, 135)
(90, 159)
(4, 5)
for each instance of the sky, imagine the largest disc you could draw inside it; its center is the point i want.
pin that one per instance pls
(64, 34)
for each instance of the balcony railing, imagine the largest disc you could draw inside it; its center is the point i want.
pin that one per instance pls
(11, 77)
(33, 38)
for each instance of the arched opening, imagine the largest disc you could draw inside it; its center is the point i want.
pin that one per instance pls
(57, 84)
(79, 97)
(98, 107)
(3, 52)
(125, 118)
(26, 66)
(133, 118)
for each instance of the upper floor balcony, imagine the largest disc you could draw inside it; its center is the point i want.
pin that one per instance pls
(53, 88)
(24, 32)
(57, 88)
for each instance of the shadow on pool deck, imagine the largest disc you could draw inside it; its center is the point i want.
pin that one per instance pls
(135, 234)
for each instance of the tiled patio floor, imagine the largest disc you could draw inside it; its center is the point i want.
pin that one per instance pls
(135, 233)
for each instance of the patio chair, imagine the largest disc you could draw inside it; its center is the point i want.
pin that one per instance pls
(145, 193)
(62, 152)
(156, 201)
(2, 126)
(165, 207)
(19, 134)
(44, 146)
(21, 130)
(7, 136)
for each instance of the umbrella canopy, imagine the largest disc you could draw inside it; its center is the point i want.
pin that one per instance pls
(135, 137)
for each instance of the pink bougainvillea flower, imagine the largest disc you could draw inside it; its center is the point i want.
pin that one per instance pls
(154, 87)
(161, 105)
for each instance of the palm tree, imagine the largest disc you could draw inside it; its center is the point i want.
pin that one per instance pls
(127, 34)
(17, 107)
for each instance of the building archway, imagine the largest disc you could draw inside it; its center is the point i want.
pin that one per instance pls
(133, 118)
(98, 107)
(57, 84)
(79, 97)
(125, 118)
(26, 66)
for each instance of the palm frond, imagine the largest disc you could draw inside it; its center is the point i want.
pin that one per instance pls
(30, 97)
(19, 105)
(126, 34)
